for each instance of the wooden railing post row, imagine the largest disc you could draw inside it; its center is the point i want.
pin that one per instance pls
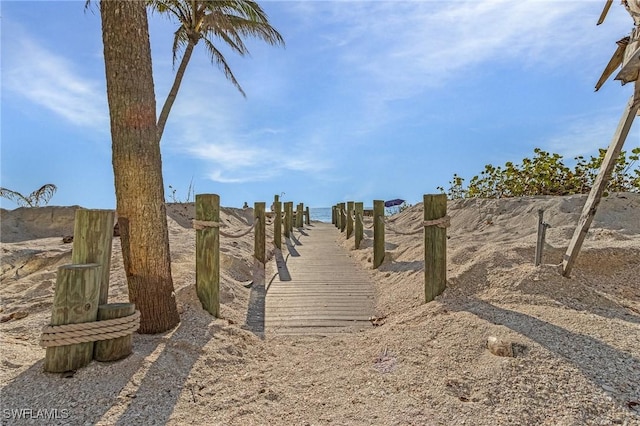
(208, 253)
(359, 232)
(307, 216)
(288, 218)
(75, 301)
(435, 247)
(349, 219)
(277, 223)
(343, 217)
(259, 241)
(378, 233)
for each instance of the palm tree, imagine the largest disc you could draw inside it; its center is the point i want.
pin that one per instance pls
(224, 20)
(41, 195)
(137, 165)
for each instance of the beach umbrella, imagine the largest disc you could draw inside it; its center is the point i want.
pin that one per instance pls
(392, 203)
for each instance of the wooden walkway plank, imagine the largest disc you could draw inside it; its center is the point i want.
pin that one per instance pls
(320, 289)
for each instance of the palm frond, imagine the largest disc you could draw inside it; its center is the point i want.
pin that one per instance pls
(14, 196)
(218, 58)
(40, 195)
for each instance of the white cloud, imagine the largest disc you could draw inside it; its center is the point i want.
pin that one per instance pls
(49, 80)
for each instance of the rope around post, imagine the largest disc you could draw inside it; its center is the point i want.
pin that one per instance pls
(70, 334)
(360, 219)
(204, 224)
(443, 222)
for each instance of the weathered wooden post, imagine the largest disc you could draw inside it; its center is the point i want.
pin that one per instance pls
(75, 301)
(333, 215)
(120, 347)
(208, 252)
(435, 245)
(293, 221)
(260, 231)
(287, 218)
(277, 223)
(343, 217)
(299, 215)
(307, 216)
(338, 216)
(378, 233)
(542, 230)
(359, 232)
(92, 236)
(349, 219)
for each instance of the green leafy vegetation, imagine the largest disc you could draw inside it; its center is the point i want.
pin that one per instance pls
(546, 174)
(40, 196)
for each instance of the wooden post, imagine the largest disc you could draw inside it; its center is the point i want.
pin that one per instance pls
(75, 301)
(349, 219)
(308, 216)
(435, 247)
(359, 231)
(208, 253)
(288, 218)
(300, 216)
(593, 200)
(120, 347)
(277, 224)
(343, 217)
(333, 215)
(259, 231)
(378, 233)
(338, 217)
(92, 236)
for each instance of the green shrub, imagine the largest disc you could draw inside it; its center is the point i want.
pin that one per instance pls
(546, 174)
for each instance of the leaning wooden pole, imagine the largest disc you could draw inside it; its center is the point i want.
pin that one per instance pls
(593, 200)
(259, 231)
(378, 233)
(359, 231)
(208, 252)
(75, 301)
(92, 236)
(349, 219)
(435, 245)
(277, 224)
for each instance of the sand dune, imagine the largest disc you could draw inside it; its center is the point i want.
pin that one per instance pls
(577, 340)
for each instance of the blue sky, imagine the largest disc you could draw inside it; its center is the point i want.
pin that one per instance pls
(369, 99)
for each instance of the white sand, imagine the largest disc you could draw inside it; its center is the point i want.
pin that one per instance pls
(578, 339)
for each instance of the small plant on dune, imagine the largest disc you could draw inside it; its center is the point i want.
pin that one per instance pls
(546, 174)
(40, 196)
(189, 198)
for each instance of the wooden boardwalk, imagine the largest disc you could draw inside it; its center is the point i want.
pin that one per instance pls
(319, 288)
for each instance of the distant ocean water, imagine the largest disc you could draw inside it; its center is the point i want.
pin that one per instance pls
(322, 214)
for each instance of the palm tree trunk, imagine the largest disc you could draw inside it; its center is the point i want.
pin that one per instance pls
(137, 164)
(166, 108)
